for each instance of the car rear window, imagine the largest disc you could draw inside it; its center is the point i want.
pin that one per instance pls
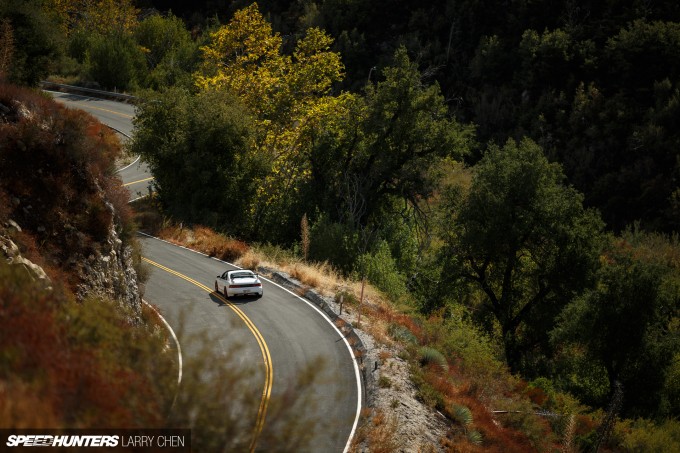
(243, 275)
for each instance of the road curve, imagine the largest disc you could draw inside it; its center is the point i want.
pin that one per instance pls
(296, 334)
(118, 116)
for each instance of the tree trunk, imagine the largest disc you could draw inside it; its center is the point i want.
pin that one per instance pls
(512, 352)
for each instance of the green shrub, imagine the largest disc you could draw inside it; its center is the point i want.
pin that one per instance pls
(671, 388)
(384, 382)
(426, 393)
(644, 435)
(430, 356)
(333, 242)
(475, 437)
(462, 415)
(477, 355)
(401, 334)
(381, 270)
(116, 62)
(347, 297)
(520, 416)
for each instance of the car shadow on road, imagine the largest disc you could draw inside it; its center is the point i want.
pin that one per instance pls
(218, 299)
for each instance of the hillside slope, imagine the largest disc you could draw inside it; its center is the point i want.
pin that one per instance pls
(77, 349)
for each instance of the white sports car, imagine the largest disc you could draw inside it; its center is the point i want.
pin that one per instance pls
(239, 283)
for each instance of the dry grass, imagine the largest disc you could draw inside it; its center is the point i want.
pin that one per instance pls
(321, 277)
(250, 260)
(206, 241)
(376, 432)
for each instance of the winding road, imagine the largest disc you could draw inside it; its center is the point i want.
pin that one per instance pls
(281, 333)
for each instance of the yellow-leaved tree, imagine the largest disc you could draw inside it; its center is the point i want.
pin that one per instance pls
(95, 16)
(289, 95)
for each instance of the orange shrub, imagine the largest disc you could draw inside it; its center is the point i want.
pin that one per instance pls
(56, 350)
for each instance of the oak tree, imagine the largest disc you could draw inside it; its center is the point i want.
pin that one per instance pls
(525, 240)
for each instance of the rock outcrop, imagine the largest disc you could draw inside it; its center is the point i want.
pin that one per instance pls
(108, 272)
(61, 204)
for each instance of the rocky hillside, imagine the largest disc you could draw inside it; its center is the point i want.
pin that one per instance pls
(62, 208)
(77, 348)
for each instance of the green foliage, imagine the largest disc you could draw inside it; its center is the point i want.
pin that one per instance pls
(644, 52)
(521, 417)
(516, 71)
(171, 54)
(671, 388)
(401, 233)
(628, 325)
(384, 382)
(161, 37)
(642, 435)
(381, 270)
(38, 41)
(475, 437)
(524, 239)
(426, 392)
(402, 334)
(569, 412)
(115, 62)
(198, 148)
(429, 356)
(385, 146)
(475, 352)
(333, 242)
(288, 95)
(577, 373)
(548, 57)
(463, 415)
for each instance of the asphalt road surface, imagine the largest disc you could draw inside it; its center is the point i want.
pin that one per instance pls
(118, 116)
(280, 334)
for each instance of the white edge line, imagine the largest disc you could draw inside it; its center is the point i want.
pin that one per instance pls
(94, 99)
(172, 332)
(128, 166)
(139, 198)
(344, 339)
(120, 132)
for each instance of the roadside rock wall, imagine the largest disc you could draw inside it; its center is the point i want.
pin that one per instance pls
(108, 272)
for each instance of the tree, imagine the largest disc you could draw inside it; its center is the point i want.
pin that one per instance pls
(37, 40)
(171, 55)
(288, 96)
(115, 61)
(627, 323)
(96, 16)
(523, 239)
(6, 48)
(199, 149)
(385, 146)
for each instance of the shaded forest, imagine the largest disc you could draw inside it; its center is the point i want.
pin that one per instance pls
(594, 83)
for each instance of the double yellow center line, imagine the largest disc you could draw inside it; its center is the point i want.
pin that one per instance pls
(269, 372)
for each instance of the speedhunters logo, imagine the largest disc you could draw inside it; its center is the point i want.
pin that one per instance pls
(37, 440)
(76, 440)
